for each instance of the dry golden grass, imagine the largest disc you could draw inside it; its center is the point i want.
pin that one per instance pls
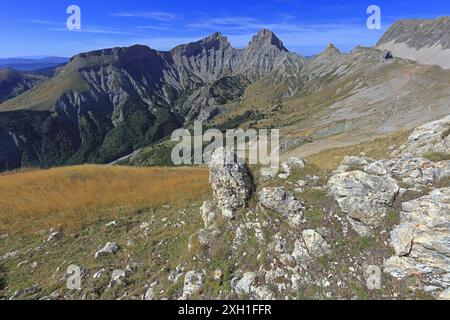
(69, 197)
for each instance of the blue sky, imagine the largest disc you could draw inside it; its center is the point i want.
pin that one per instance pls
(37, 28)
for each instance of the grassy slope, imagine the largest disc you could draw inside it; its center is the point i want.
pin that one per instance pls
(44, 96)
(70, 197)
(82, 200)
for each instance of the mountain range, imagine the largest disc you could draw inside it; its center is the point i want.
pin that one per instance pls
(104, 105)
(32, 64)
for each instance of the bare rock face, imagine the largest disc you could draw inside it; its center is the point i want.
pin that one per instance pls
(279, 200)
(433, 137)
(422, 240)
(230, 181)
(365, 198)
(426, 41)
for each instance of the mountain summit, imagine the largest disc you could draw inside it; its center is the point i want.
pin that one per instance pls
(266, 38)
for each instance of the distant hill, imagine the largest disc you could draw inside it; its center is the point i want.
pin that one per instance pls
(14, 83)
(32, 64)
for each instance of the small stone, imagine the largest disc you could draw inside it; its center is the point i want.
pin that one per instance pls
(149, 294)
(111, 224)
(279, 200)
(109, 248)
(284, 176)
(26, 292)
(301, 183)
(268, 173)
(117, 277)
(98, 274)
(297, 162)
(55, 236)
(144, 225)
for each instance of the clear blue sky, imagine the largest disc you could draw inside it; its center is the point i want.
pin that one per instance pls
(37, 27)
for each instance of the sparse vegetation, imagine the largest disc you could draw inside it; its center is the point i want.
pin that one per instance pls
(437, 156)
(314, 218)
(392, 218)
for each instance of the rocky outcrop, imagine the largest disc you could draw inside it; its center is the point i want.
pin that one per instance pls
(411, 171)
(432, 137)
(365, 198)
(230, 181)
(282, 202)
(422, 241)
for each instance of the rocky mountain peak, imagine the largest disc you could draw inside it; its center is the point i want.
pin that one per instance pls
(216, 41)
(266, 38)
(331, 49)
(329, 52)
(216, 36)
(331, 46)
